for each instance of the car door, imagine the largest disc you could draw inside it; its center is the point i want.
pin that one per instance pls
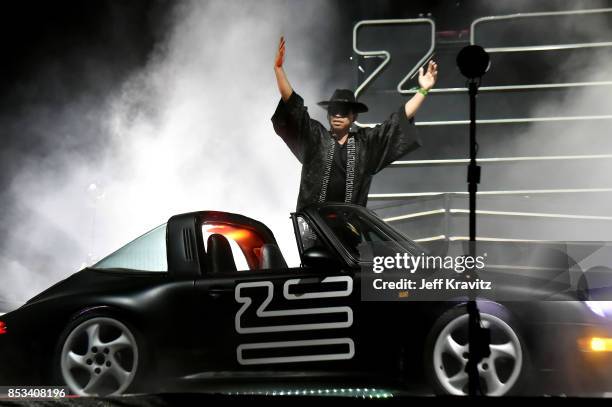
(279, 321)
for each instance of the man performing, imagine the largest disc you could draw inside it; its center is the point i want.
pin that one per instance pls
(338, 164)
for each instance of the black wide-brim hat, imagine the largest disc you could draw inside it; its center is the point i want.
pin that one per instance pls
(345, 96)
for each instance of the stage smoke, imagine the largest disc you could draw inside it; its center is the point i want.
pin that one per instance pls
(191, 131)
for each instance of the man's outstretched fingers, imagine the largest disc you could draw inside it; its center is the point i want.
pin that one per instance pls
(280, 54)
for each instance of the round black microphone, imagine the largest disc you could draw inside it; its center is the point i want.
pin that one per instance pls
(473, 61)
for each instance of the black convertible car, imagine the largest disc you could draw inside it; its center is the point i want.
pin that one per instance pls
(207, 301)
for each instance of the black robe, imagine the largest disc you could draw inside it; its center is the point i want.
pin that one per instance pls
(369, 150)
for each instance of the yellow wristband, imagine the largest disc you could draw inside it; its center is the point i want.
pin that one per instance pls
(423, 91)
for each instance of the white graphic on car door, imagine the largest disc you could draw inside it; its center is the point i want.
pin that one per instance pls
(318, 349)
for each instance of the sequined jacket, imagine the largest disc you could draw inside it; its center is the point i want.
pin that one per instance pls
(369, 150)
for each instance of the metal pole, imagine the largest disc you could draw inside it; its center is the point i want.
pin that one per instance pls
(477, 336)
(473, 169)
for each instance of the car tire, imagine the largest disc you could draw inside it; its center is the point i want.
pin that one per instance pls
(505, 372)
(99, 354)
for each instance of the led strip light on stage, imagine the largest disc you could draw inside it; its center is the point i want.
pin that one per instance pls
(416, 215)
(485, 239)
(498, 160)
(397, 196)
(588, 243)
(328, 392)
(518, 87)
(430, 239)
(516, 120)
(496, 213)
(503, 121)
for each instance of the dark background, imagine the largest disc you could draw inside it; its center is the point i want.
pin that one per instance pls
(60, 51)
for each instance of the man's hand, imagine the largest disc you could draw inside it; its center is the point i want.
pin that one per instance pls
(284, 87)
(427, 80)
(280, 54)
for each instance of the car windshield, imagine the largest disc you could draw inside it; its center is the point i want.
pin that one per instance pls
(145, 253)
(356, 226)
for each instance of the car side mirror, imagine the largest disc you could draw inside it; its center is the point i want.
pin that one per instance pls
(318, 257)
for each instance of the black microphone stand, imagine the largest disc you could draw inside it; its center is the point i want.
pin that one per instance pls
(476, 352)
(473, 62)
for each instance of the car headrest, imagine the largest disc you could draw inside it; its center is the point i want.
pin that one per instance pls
(272, 257)
(220, 254)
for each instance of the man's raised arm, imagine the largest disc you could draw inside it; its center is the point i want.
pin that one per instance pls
(284, 86)
(291, 120)
(397, 135)
(426, 81)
